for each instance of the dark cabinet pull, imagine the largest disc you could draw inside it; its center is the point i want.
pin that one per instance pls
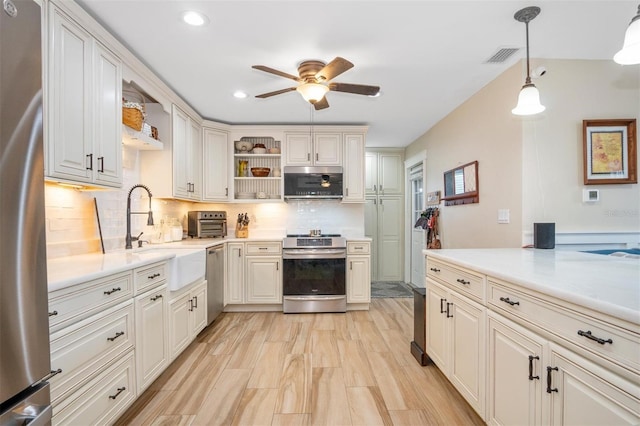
(434, 269)
(590, 336)
(53, 314)
(461, 281)
(511, 302)
(51, 374)
(531, 376)
(549, 370)
(120, 390)
(156, 275)
(90, 157)
(113, 290)
(190, 305)
(441, 306)
(449, 304)
(100, 164)
(154, 298)
(195, 303)
(118, 334)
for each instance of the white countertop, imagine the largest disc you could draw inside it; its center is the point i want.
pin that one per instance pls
(606, 284)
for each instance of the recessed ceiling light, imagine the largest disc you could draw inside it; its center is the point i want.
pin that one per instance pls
(239, 94)
(196, 19)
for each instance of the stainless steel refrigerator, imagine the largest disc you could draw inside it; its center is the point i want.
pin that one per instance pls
(24, 321)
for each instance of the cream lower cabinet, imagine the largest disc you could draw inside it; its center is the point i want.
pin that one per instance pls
(152, 348)
(187, 316)
(358, 272)
(456, 341)
(254, 273)
(516, 374)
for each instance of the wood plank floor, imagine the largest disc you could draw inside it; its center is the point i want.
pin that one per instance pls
(269, 368)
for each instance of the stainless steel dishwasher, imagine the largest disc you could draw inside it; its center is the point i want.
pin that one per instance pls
(215, 282)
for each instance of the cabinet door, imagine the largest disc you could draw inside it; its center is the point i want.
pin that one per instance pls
(199, 308)
(327, 149)
(234, 284)
(180, 132)
(107, 117)
(371, 173)
(70, 134)
(151, 336)
(215, 166)
(584, 394)
(437, 341)
(194, 160)
(298, 149)
(264, 279)
(179, 324)
(515, 374)
(371, 231)
(354, 169)
(467, 352)
(390, 173)
(390, 237)
(358, 279)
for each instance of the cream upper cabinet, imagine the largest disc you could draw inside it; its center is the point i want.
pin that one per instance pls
(384, 173)
(324, 149)
(215, 154)
(187, 156)
(354, 168)
(84, 84)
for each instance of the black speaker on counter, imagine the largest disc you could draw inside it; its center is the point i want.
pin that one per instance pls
(544, 235)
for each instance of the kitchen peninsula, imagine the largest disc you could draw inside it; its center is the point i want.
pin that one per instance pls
(530, 335)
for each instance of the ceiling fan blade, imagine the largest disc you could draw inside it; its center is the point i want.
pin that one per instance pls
(358, 89)
(277, 92)
(276, 72)
(321, 104)
(333, 69)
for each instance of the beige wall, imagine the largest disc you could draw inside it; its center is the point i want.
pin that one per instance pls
(533, 165)
(482, 129)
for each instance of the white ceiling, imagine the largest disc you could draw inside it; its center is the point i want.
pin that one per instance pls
(427, 56)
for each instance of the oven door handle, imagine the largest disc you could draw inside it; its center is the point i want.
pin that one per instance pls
(314, 254)
(307, 298)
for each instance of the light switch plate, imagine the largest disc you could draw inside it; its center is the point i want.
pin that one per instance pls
(590, 195)
(503, 215)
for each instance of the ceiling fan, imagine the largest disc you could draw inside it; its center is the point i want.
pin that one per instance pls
(314, 77)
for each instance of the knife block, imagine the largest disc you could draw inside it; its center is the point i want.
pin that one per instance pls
(242, 231)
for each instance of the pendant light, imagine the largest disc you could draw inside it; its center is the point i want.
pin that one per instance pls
(630, 52)
(529, 97)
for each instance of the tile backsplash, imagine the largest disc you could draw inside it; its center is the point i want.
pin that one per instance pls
(72, 224)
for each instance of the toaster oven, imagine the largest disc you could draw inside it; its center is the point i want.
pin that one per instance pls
(206, 224)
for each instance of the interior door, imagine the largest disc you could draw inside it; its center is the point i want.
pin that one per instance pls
(417, 234)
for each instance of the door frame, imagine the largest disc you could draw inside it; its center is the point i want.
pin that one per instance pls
(420, 157)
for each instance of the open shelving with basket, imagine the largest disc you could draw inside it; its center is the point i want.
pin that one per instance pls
(258, 188)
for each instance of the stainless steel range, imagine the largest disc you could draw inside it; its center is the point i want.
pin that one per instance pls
(313, 273)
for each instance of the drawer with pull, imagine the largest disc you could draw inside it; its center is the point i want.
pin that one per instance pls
(468, 283)
(354, 247)
(149, 276)
(101, 400)
(86, 347)
(72, 304)
(263, 248)
(607, 340)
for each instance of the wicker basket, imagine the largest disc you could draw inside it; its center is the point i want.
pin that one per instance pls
(133, 112)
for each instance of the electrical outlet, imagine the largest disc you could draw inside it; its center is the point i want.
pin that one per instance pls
(590, 195)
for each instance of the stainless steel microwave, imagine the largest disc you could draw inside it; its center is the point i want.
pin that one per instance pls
(315, 182)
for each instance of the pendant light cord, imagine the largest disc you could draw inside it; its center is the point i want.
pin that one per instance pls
(526, 24)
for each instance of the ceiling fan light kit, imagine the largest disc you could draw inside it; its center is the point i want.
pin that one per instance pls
(630, 52)
(312, 92)
(529, 97)
(314, 78)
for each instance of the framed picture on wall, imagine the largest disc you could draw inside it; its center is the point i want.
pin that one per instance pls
(609, 151)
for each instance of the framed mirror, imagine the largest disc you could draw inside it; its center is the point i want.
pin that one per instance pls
(461, 185)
